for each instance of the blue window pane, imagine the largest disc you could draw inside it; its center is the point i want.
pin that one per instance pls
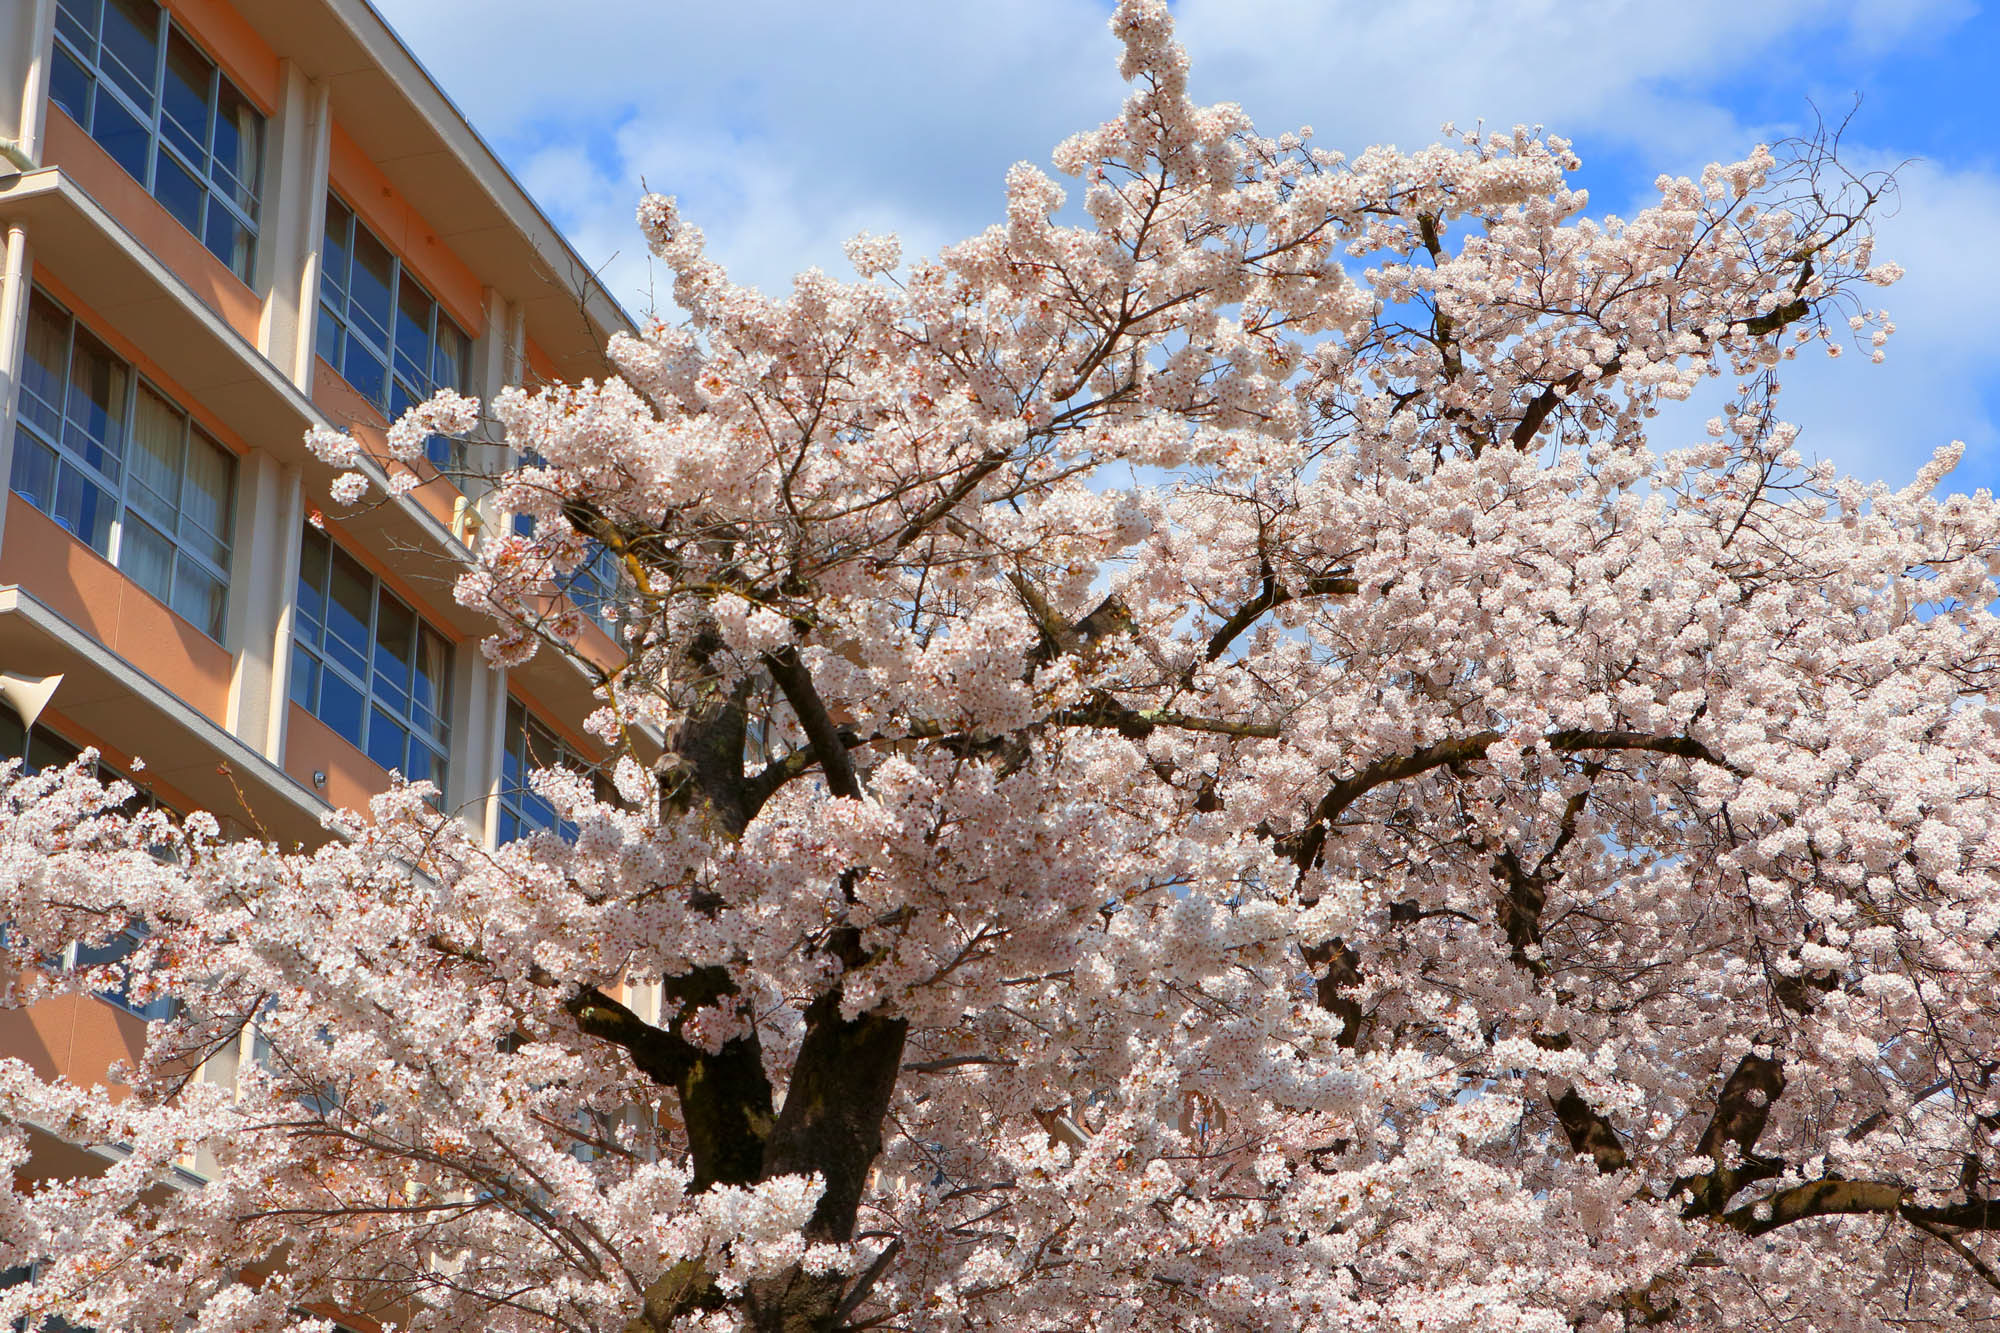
(395, 645)
(312, 579)
(369, 302)
(229, 240)
(85, 508)
(111, 951)
(35, 472)
(386, 740)
(347, 614)
(182, 194)
(340, 706)
(184, 98)
(365, 371)
(327, 340)
(77, 21)
(510, 827)
(305, 673)
(128, 141)
(430, 685)
(424, 766)
(239, 147)
(45, 368)
(199, 598)
(69, 87)
(453, 351)
(537, 811)
(96, 408)
(334, 258)
(132, 47)
(147, 557)
(414, 313)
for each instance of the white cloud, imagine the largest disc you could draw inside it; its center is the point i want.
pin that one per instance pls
(1884, 420)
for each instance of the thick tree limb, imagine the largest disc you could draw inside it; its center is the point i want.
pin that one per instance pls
(1835, 1198)
(828, 746)
(831, 1124)
(1589, 1132)
(1303, 847)
(1274, 594)
(1741, 1111)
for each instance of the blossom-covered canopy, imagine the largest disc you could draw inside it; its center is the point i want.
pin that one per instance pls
(1218, 773)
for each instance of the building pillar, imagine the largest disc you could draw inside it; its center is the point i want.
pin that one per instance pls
(479, 712)
(27, 35)
(16, 282)
(296, 145)
(263, 598)
(497, 356)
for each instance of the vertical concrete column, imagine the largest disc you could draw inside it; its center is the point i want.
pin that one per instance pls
(16, 281)
(263, 597)
(497, 359)
(27, 35)
(298, 138)
(517, 344)
(479, 709)
(486, 376)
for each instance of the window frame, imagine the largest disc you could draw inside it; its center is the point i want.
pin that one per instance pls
(336, 324)
(597, 585)
(69, 39)
(312, 656)
(516, 797)
(30, 429)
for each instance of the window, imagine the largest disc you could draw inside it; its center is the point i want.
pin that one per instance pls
(149, 96)
(116, 950)
(108, 457)
(14, 1277)
(382, 331)
(531, 747)
(368, 667)
(36, 747)
(593, 586)
(596, 584)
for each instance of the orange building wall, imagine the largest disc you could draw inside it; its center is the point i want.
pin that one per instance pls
(91, 593)
(73, 1037)
(114, 190)
(382, 207)
(313, 747)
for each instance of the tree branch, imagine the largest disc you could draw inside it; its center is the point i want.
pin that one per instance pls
(1274, 594)
(828, 747)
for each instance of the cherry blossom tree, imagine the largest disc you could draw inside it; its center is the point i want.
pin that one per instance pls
(1217, 773)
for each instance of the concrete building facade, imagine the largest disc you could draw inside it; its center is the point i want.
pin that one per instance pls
(223, 223)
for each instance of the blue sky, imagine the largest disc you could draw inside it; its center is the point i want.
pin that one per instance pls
(784, 126)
